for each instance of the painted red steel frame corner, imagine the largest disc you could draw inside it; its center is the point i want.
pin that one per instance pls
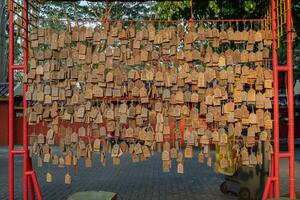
(272, 187)
(273, 181)
(29, 177)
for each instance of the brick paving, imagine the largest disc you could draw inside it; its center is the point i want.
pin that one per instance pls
(131, 181)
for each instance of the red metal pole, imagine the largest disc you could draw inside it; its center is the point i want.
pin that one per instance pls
(269, 181)
(31, 175)
(271, 189)
(266, 191)
(291, 144)
(31, 188)
(11, 103)
(25, 127)
(276, 103)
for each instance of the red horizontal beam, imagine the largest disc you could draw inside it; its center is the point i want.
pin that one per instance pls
(18, 67)
(282, 68)
(17, 152)
(159, 20)
(284, 155)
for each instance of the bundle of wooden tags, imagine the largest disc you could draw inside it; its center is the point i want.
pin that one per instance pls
(122, 88)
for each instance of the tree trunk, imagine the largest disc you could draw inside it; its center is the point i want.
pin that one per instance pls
(3, 44)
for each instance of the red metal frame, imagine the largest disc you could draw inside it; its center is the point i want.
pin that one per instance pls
(29, 177)
(272, 187)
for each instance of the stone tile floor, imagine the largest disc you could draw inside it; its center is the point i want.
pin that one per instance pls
(132, 181)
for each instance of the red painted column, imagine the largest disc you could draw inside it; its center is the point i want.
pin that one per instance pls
(290, 88)
(276, 103)
(25, 126)
(11, 103)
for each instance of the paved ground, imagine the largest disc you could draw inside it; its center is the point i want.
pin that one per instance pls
(132, 181)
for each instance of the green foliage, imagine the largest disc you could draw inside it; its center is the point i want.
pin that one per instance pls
(249, 6)
(211, 9)
(171, 10)
(202, 9)
(214, 7)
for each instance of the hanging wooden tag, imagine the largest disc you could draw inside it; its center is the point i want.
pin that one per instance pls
(194, 97)
(135, 158)
(47, 157)
(75, 161)
(166, 166)
(259, 158)
(223, 163)
(61, 162)
(41, 139)
(252, 118)
(252, 159)
(201, 157)
(251, 97)
(74, 137)
(223, 138)
(188, 152)
(116, 161)
(268, 122)
(39, 161)
(258, 36)
(230, 34)
(146, 152)
(215, 137)
(88, 162)
(159, 137)
(124, 147)
(54, 41)
(180, 168)
(209, 161)
(263, 136)
(103, 159)
(138, 148)
(68, 179)
(245, 156)
(174, 153)
(165, 156)
(48, 177)
(96, 145)
(68, 159)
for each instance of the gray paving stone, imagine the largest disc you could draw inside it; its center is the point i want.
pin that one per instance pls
(143, 181)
